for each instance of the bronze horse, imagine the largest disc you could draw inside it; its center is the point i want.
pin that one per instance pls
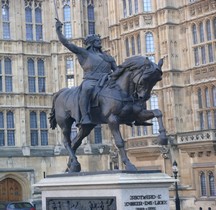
(121, 100)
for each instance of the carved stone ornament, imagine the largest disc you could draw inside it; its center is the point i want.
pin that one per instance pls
(81, 203)
(192, 11)
(206, 7)
(125, 26)
(65, 2)
(131, 24)
(213, 4)
(136, 22)
(199, 9)
(73, 3)
(148, 19)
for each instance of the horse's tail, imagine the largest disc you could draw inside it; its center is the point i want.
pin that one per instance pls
(52, 119)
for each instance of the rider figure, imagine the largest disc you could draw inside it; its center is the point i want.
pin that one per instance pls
(95, 63)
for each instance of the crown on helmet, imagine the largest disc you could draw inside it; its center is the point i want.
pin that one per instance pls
(90, 38)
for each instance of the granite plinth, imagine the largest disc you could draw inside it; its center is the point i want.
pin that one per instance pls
(106, 191)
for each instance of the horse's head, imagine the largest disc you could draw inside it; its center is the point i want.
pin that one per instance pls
(146, 76)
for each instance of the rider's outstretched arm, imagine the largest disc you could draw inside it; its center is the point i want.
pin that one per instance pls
(72, 47)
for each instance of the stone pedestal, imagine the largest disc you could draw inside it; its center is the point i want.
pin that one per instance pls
(120, 190)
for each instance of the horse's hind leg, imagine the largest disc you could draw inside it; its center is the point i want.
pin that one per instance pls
(66, 130)
(84, 130)
(114, 127)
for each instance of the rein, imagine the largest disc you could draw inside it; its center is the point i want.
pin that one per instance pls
(133, 76)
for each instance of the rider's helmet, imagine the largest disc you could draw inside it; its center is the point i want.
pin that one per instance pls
(88, 41)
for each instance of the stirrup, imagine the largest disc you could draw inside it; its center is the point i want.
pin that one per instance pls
(86, 120)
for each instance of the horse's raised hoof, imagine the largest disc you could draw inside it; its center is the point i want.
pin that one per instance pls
(74, 167)
(130, 167)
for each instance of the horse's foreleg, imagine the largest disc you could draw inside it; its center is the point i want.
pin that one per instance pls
(114, 127)
(150, 114)
(163, 138)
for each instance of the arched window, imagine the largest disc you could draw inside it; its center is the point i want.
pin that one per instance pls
(201, 32)
(149, 41)
(5, 20)
(207, 98)
(130, 7)
(29, 23)
(8, 75)
(208, 30)
(203, 54)
(31, 76)
(211, 184)
(2, 137)
(10, 129)
(152, 58)
(214, 95)
(38, 24)
(91, 19)
(127, 47)
(201, 118)
(214, 27)
(33, 129)
(70, 72)
(133, 45)
(124, 8)
(132, 131)
(154, 105)
(209, 119)
(196, 56)
(136, 6)
(214, 118)
(154, 102)
(194, 32)
(210, 53)
(43, 128)
(41, 76)
(73, 130)
(200, 98)
(139, 131)
(98, 134)
(138, 44)
(203, 184)
(67, 21)
(147, 5)
(1, 77)
(145, 130)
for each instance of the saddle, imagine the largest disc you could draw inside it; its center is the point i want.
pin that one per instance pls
(105, 88)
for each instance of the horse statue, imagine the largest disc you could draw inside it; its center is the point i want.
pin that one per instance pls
(121, 100)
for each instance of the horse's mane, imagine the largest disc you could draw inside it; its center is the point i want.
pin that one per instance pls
(131, 64)
(135, 62)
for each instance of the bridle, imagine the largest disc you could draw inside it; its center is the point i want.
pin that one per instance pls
(138, 81)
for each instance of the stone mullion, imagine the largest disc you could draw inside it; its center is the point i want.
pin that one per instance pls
(38, 126)
(142, 42)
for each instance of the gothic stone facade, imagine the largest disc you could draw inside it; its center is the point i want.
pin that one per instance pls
(34, 65)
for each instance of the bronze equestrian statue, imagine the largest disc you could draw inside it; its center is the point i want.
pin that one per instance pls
(96, 66)
(121, 99)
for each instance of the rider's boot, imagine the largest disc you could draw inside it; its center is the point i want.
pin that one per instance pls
(86, 119)
(84, 104)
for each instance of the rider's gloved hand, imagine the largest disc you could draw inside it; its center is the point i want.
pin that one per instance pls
(58, 24)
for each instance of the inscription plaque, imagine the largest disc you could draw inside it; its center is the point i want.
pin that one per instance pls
(99, 203)
(146, 199)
